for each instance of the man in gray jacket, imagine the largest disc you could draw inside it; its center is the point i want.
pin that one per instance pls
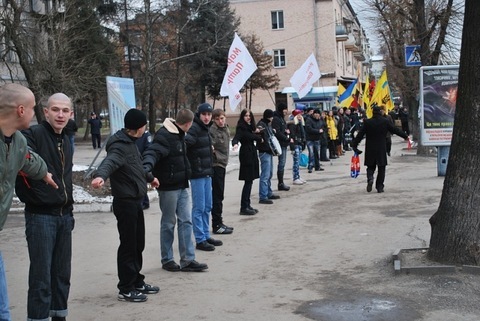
(16, 111)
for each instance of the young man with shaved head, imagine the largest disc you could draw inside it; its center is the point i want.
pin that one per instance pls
(49, 215)
(16, 111)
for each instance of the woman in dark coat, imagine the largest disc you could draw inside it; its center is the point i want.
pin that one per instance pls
(246, 134)
(375, 129)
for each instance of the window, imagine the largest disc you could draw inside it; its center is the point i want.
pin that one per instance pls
(279, 58)
(277, 20)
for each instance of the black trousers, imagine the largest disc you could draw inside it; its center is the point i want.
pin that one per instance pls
(246, 192)
(131, 229)
(380, 176)
(218, 191)
(96, 140)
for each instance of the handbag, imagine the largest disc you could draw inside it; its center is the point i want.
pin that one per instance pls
(355, 166)
(274, 145)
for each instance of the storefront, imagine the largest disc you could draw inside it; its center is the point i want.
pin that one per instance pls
(319, 97)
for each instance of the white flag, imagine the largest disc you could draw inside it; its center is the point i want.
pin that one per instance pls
(240, 67)
(304, 78)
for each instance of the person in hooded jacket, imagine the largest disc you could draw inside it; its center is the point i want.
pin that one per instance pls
(123, 164)
(282, 133)
(200, 156)
(297, 143)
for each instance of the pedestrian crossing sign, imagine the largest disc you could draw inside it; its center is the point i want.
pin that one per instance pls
(412, 56)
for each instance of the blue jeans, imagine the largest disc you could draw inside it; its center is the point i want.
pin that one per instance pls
(49, 239)
(313, 154)
(201, 207)
(266, 169)
(4, 305)
(296, 162)
(175, 207)
(282, 159)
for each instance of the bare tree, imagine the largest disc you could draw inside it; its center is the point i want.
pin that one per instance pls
(432, 24)
(455, 226)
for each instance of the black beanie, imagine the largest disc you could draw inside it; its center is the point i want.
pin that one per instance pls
(268, 113)
(135, 119)
(204, 108)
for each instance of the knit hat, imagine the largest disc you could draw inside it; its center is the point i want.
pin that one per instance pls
(204, 108)
(268, 113)
(281, 107)
(135, 119)
(296, 112)
(317, 111)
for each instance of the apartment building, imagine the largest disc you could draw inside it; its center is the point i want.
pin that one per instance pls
(291, 30)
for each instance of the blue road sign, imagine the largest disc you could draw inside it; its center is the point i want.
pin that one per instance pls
(412, 56)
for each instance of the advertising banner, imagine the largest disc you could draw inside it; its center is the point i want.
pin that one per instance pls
(121, 97)
(438, 99)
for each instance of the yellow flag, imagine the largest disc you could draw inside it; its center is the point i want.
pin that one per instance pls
(340, 91)
(381, 96)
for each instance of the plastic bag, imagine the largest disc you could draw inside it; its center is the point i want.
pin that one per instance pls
(355, 166)
(303, 160)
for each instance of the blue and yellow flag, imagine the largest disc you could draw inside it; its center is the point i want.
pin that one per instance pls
(381, 96)
(346, 99)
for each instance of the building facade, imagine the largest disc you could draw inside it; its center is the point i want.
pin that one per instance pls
(292, 30)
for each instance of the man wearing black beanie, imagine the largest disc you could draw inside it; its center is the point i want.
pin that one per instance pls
(128, 181)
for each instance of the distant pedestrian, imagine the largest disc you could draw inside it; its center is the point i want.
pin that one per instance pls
(95, 130)
(123, 164)
(298, 142)
(282, 133)
(375, 130)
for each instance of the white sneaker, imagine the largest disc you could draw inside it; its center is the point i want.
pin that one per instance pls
(302, 180)
(298, 182)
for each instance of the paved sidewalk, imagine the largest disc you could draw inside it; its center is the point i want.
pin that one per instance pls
(321, 252)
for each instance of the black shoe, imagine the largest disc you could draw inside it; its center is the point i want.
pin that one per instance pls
(253, 209)
(248, 211)
(267, 201)
(369, 186)
(214, 242)
(222, 229)
(273, 197)
(205, 246)
(132, 296)
(59, 319)
(171, 266)
(319, 169)
(380, 190)
(283, 187)
(148, 289)
(310, 171)
(325, 160)
(194, 266)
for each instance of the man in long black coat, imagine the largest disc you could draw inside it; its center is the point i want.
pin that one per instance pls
(375, 129)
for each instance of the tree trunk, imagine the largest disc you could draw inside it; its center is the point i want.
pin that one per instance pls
(455, 226)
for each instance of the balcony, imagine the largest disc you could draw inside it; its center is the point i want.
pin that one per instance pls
(351, 43)
(341, 32)
(359, 56)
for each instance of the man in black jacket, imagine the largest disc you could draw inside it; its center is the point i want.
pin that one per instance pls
(282, 133)
(123, 165)
(375, 129)
(49, 214)
(199, 153)
(167, 159)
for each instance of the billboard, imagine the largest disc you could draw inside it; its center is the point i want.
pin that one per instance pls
(438, 99)
(121, 97)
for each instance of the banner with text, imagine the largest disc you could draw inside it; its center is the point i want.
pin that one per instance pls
(240, 67)
(438, 100)
(304, 78)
